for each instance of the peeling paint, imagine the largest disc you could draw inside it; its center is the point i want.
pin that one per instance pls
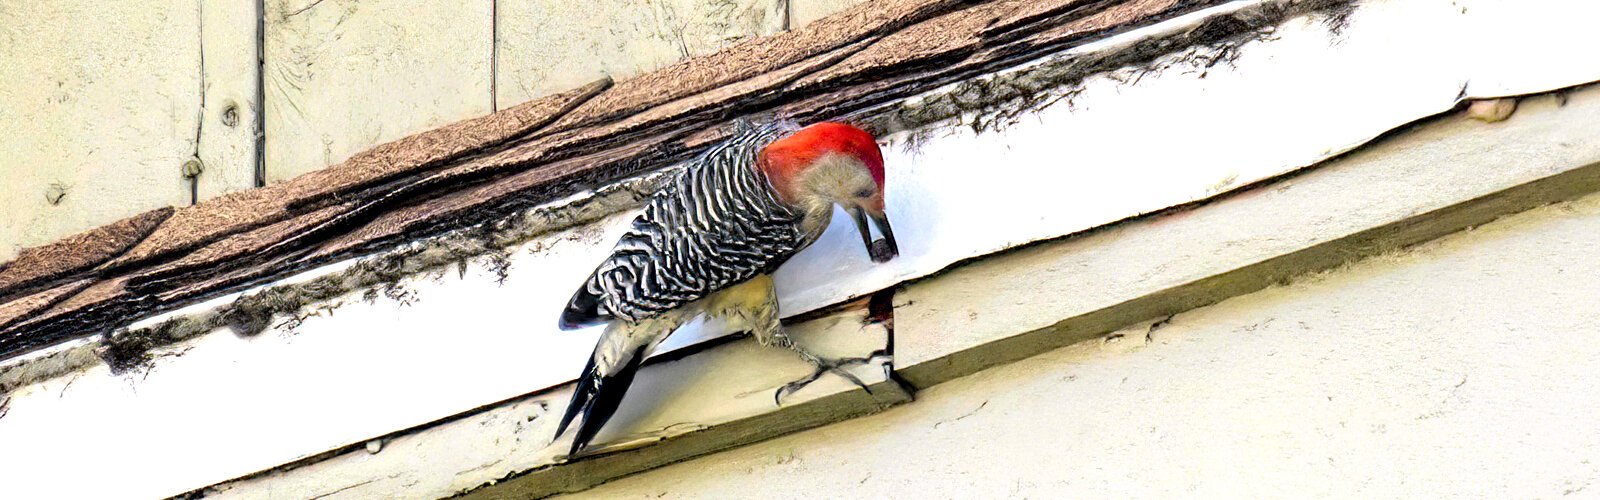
(485, 243)
(133, 349)
(992, 103)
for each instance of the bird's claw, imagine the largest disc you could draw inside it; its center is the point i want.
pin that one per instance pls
(824, 366)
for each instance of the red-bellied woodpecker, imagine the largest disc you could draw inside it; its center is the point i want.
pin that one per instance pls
(707, 244)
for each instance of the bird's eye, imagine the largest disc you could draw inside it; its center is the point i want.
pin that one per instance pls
(864, 193)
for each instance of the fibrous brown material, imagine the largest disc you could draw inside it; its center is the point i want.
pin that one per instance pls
(755, 57)
(209, 220)
(29, 304)
(76, 253)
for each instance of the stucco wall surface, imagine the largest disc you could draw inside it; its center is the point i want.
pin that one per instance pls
(342, 75)
(546, 47)
(1461, 368)
(97, 127)
(346, 75)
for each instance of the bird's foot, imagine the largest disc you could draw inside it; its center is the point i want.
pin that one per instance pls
(824, 366)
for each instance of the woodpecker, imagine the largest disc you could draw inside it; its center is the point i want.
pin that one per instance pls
(708, 242)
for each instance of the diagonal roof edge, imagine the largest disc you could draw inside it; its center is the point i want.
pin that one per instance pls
(857, 60)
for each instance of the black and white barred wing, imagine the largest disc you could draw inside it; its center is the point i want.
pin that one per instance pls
(717, 224)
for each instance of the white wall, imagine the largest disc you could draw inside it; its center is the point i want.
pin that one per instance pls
(1462, 368)
(84, 117)
(342, 75)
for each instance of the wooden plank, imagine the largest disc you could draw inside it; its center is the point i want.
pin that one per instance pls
(546, 46)
(231, 127)
(96, 127)
(343, 76)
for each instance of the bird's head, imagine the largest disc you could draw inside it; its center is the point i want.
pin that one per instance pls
(828, 164)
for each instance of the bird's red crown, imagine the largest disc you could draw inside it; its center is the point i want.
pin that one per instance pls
(785, 158)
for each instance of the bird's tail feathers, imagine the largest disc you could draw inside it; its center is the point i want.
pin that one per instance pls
(597, 397)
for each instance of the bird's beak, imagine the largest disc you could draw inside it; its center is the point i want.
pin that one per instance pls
(880, 250)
